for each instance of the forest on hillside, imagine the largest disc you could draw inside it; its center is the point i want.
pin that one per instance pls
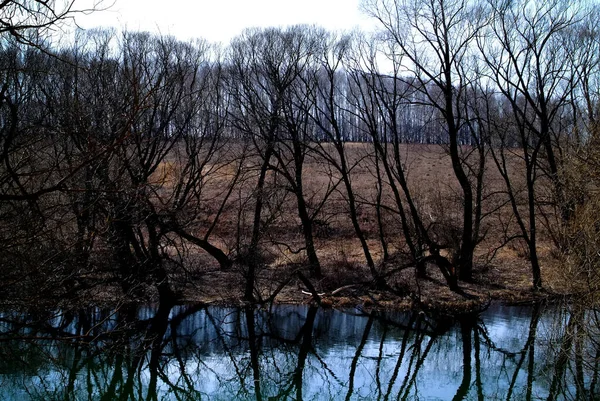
(459, 143)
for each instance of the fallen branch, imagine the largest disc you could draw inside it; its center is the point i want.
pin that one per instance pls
(310, 287)
(322, 294)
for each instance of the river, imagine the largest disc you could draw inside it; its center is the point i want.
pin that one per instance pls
(297, 353)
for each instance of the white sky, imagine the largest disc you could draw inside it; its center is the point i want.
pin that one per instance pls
(221, 20)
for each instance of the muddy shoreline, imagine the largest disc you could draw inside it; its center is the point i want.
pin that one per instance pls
(404, 293)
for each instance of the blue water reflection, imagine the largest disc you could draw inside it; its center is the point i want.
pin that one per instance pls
(297, 352)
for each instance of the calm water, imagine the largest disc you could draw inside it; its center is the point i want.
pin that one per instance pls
(299, 353)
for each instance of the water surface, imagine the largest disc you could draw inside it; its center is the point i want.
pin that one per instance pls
(296, 353)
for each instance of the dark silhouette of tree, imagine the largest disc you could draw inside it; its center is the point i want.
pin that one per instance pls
(29, 21)
(527, 60)
(436, 38)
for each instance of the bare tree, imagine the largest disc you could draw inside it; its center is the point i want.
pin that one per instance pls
(527, 58)
(205, 167)
(294, 146)
(436, 39)
(30, 21)
(330, 113)
(380, 100)
(265, 64)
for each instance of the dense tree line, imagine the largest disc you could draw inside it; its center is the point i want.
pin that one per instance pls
(130, 154)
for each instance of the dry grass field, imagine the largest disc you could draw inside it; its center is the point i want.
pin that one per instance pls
(501, 272)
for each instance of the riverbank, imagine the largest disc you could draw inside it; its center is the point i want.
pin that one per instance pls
(508, 283)
(502, 270)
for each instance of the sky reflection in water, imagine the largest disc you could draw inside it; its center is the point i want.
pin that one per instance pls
(295, 352)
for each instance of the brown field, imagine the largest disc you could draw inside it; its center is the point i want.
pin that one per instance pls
(501, 273)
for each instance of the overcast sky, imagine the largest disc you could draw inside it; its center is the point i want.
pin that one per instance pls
(221, 20)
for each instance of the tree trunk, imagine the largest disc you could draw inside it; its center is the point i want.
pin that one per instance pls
(253, 252)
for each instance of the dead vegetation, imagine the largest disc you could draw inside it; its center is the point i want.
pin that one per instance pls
(501, 269)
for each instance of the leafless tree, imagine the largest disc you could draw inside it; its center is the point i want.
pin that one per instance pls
(379, 100)
(527, 56)
(265, 64)
(30, 21)
(332, 117)
(436, 39)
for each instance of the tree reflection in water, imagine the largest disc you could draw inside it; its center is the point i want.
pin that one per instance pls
(296, 353)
